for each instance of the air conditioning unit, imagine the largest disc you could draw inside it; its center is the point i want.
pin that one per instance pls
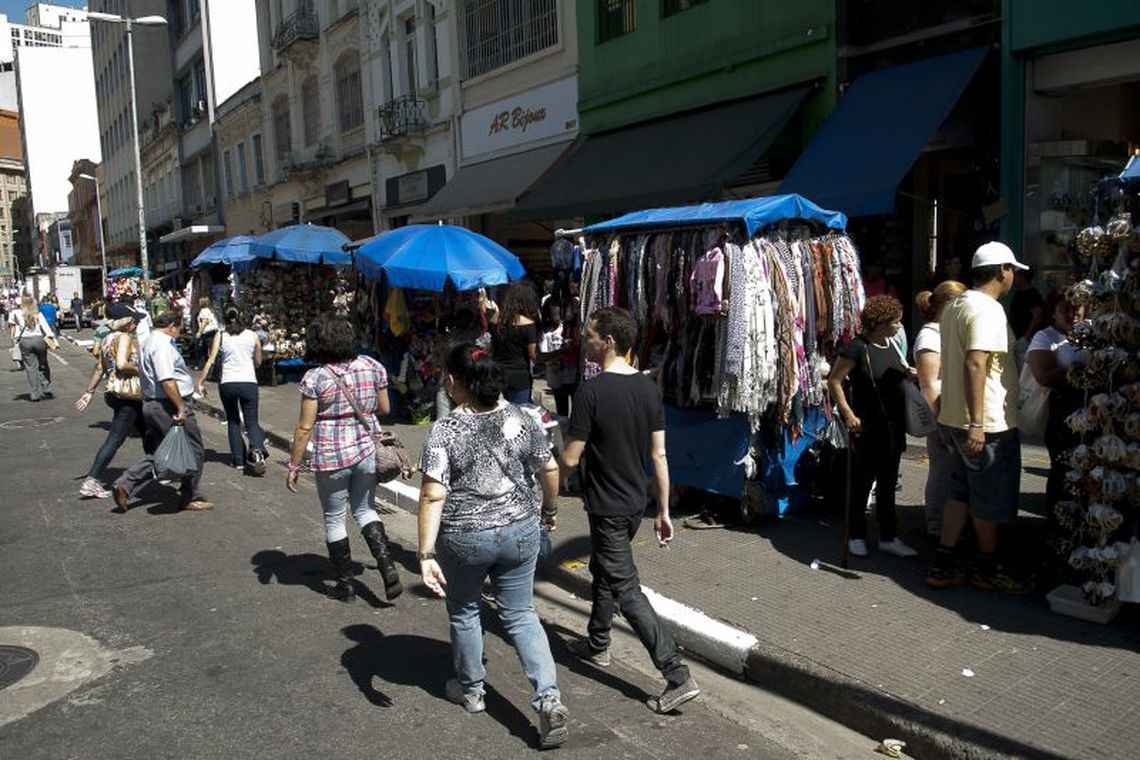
(200, 108)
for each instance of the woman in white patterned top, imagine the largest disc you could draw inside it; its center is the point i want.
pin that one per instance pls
(479, 508)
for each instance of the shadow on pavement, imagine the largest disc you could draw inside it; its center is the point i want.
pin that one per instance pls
(312, 571)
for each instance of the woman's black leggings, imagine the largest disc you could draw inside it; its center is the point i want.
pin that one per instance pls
(126, 415)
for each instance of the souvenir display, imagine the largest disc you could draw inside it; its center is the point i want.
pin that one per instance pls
(282, 299)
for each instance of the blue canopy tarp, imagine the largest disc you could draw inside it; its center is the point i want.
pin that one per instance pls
(115, 274)
(304, 244)
(754, 213)
(426, 256)
(1131, 173)
(231, 251)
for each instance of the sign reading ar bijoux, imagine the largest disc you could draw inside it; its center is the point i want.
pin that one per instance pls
(538, 114)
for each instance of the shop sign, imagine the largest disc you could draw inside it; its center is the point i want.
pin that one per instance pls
(412, 187)
(415, 187)
(539, 114)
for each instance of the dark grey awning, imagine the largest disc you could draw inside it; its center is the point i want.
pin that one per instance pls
(679, 159)
(490, 185)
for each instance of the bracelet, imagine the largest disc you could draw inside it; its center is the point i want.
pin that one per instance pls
(425, 556)
(975, 425)
(294, 468)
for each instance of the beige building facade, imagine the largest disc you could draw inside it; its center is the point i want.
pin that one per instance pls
(246, 194)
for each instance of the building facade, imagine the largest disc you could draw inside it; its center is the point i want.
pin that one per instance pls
(248, 199)
(1070, 92)
(117, 124)
(13, 198)
(162, 182)
(83, 212)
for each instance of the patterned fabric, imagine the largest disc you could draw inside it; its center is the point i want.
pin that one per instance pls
(488, 462)
(339, 440)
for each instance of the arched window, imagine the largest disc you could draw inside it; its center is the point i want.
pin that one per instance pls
(311, 110)
(282, 138)
(349, 95)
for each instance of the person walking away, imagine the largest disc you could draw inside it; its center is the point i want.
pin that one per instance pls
(464, 326)
(34, 335)
(50, 311)
(874, 411)
(117, 360)
(240, 350)
(550, 353)
(77, 311)
(618, 428)
(480, 513)
(978, 417)
(1050, 355)
(514, 341)
(343, 459)
(206, 327)
(168, 400)
(928, 362)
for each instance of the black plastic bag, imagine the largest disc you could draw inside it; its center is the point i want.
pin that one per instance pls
(174, 459)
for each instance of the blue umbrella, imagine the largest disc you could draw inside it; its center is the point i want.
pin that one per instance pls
(124, 272)
(231, 251)
(303, 243)
(426, 256)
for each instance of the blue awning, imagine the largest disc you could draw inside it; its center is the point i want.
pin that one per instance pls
(232, 251)
(1131, 173)
(859, 156)
(754, 213)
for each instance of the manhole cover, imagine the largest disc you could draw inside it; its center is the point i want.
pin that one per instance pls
(15, 663)
(31, 422)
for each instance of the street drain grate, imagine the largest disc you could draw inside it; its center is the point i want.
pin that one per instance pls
(15, 663)
(29, 423)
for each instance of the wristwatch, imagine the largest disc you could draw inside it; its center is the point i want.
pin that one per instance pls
(425, 556)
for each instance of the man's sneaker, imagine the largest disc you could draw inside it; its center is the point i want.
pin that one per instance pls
(897, 548)
(93, 489)
(472, 703)
(552, 720)
(583, 651)
(945, 576)
(675, 696)
(999, 580)
(857, 547)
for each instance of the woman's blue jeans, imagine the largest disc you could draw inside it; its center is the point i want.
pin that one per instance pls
(508, 555)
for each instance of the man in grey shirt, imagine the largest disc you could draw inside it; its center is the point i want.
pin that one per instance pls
(167, 390)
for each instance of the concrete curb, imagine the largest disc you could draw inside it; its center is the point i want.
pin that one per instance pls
(857, 705)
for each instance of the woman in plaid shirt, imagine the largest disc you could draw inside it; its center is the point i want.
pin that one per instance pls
(343, 458)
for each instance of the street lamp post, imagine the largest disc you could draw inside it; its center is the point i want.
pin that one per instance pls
(99, 224)
(130, 24)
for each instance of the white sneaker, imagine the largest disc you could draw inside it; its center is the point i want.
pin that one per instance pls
(93, 489)
(897, 548)
(858, 547)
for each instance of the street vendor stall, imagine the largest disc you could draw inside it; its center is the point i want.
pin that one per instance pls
(281, 282)
(125, 281)
(411, 279)
(740, 306)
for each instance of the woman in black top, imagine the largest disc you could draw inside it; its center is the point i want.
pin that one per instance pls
(514, 342)
(874, 410)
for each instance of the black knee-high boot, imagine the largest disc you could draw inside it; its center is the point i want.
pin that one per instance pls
(378, 543)
(341, 557)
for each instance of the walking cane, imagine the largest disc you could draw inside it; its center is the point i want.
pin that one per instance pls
(846, 553)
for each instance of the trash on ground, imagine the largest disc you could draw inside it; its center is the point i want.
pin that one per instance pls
(967, 672)
(815, 564)
(985, 627)
(891, 747)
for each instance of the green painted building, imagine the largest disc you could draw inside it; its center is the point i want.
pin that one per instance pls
(1070, 116)
(696, 99)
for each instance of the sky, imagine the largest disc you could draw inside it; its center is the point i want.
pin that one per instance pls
(15, 10)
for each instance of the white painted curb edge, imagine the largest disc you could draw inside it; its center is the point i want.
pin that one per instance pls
(710, 639)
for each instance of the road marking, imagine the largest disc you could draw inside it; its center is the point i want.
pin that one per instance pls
(59, 358)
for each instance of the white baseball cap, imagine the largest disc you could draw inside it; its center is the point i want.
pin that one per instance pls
(993, 254)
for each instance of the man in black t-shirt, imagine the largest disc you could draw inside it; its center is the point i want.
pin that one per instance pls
(618, 426)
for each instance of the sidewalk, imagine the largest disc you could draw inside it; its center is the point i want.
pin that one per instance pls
(871, 647)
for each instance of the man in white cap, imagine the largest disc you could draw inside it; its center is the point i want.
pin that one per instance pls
(978, 419)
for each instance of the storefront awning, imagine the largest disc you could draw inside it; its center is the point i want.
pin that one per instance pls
(192, 232)
(683, 158)
(859, 156)
(331, 212)
(490, 186)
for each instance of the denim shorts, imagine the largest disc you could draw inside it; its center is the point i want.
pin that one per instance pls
(990, 484)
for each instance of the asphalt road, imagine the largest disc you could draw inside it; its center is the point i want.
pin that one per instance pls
(208, 635)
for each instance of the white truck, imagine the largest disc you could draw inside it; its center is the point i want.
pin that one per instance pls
(68, 282)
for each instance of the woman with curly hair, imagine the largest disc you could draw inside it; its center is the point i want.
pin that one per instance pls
(873, 407)
(514, 341)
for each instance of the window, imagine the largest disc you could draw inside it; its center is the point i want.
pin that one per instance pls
(389, 67)
(227, 166)
(311, 110)
(433, 40)
(258, 160)
(186, 98)
(282, 139)
(349, 94)
(615, 18)
(200, 82)
(243, 172)
(496, 33)
(410, 55)
(669, 7)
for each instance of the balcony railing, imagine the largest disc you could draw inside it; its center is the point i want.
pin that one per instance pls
(406, 115)
(301, 24)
